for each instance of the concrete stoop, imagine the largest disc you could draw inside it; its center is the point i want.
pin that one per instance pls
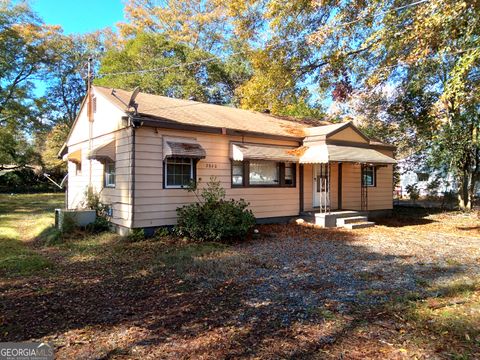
(346, 219)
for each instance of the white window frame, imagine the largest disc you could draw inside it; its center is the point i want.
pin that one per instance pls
(374, 176)
(107, 174)
(165, 172)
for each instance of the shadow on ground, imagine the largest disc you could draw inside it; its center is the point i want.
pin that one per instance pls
(295, 292)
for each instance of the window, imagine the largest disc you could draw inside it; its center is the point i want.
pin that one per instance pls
(110, 174)
(263, 173)
(178, 172)
(289, 174)
(369, 176)
(78, 169)
(237, 173)
(423, 176)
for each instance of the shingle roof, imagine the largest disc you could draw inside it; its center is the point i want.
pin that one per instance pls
(326, 129)
(189, 112)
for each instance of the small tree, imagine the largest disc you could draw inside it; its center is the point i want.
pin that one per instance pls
(413, 192)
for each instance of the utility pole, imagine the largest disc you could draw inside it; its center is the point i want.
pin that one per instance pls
(90, 117)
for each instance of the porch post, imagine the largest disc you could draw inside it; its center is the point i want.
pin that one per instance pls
(302, 195)
(328, 189)
(339, 190)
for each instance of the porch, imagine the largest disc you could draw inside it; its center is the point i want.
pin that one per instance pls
(342, 184)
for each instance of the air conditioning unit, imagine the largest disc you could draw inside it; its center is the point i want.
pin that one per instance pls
(81, 217)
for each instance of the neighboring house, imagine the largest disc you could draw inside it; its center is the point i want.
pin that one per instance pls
(139, 161)
(422, 178)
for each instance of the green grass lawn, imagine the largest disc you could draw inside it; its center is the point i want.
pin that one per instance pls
(22, 218)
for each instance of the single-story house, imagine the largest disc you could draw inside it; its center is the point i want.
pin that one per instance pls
(139, 151)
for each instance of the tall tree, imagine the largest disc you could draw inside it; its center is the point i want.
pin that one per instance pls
(285, 66)
(66, 82)
(432, 46)
(201, 24)
(178, 70)
(25, 55)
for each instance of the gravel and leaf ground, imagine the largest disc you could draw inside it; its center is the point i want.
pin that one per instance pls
(408, 288)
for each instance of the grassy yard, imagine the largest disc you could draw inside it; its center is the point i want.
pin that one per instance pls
(22, 219)
(409, 288)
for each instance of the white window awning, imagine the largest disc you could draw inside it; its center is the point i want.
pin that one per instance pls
(245, 151)
(183, 147)
(105, 152)
(320, 153)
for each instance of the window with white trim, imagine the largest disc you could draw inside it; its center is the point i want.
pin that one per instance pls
(179, 172)
(369, 176)
(237, 173)
(266, 173)
(110, 174)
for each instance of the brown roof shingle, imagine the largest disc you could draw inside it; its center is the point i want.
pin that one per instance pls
(189, 112)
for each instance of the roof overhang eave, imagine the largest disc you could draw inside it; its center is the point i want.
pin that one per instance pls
(160, 122)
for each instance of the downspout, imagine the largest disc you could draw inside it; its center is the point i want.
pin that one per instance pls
(132, 169)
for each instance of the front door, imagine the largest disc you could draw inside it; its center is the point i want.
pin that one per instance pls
(320, 186)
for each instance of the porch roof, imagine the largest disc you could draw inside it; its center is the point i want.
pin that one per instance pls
(318, 153)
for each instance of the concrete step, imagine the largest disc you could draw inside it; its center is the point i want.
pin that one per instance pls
(350, 220)
(359, 225)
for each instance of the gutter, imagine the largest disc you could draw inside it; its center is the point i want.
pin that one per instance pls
(133, 123)
(168, 124)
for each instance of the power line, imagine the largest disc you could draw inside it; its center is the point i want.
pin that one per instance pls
(377, 14)
(216, 58)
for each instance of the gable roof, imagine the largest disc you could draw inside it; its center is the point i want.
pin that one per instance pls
(187, 112)
(327, 131)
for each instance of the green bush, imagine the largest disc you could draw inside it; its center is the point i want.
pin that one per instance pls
(100, 224)
(136, 235)
(214, 218)
(161, 232)
(413, 192)
(68, 224)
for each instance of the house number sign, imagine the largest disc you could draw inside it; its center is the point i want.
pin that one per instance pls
(210, 166)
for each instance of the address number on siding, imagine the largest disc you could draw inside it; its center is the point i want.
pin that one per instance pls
(210, 166)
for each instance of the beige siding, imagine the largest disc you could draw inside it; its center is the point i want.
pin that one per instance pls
(348, 134)
(118, 197)
(379, 197)
(156, 206)
(107, 119)
(308, 187)
(105, 128)
(334, 185)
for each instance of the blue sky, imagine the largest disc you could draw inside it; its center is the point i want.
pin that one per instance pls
(79, 16)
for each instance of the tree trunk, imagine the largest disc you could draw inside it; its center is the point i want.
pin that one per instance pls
(465, 191)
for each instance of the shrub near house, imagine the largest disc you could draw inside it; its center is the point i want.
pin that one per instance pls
(214, 218)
